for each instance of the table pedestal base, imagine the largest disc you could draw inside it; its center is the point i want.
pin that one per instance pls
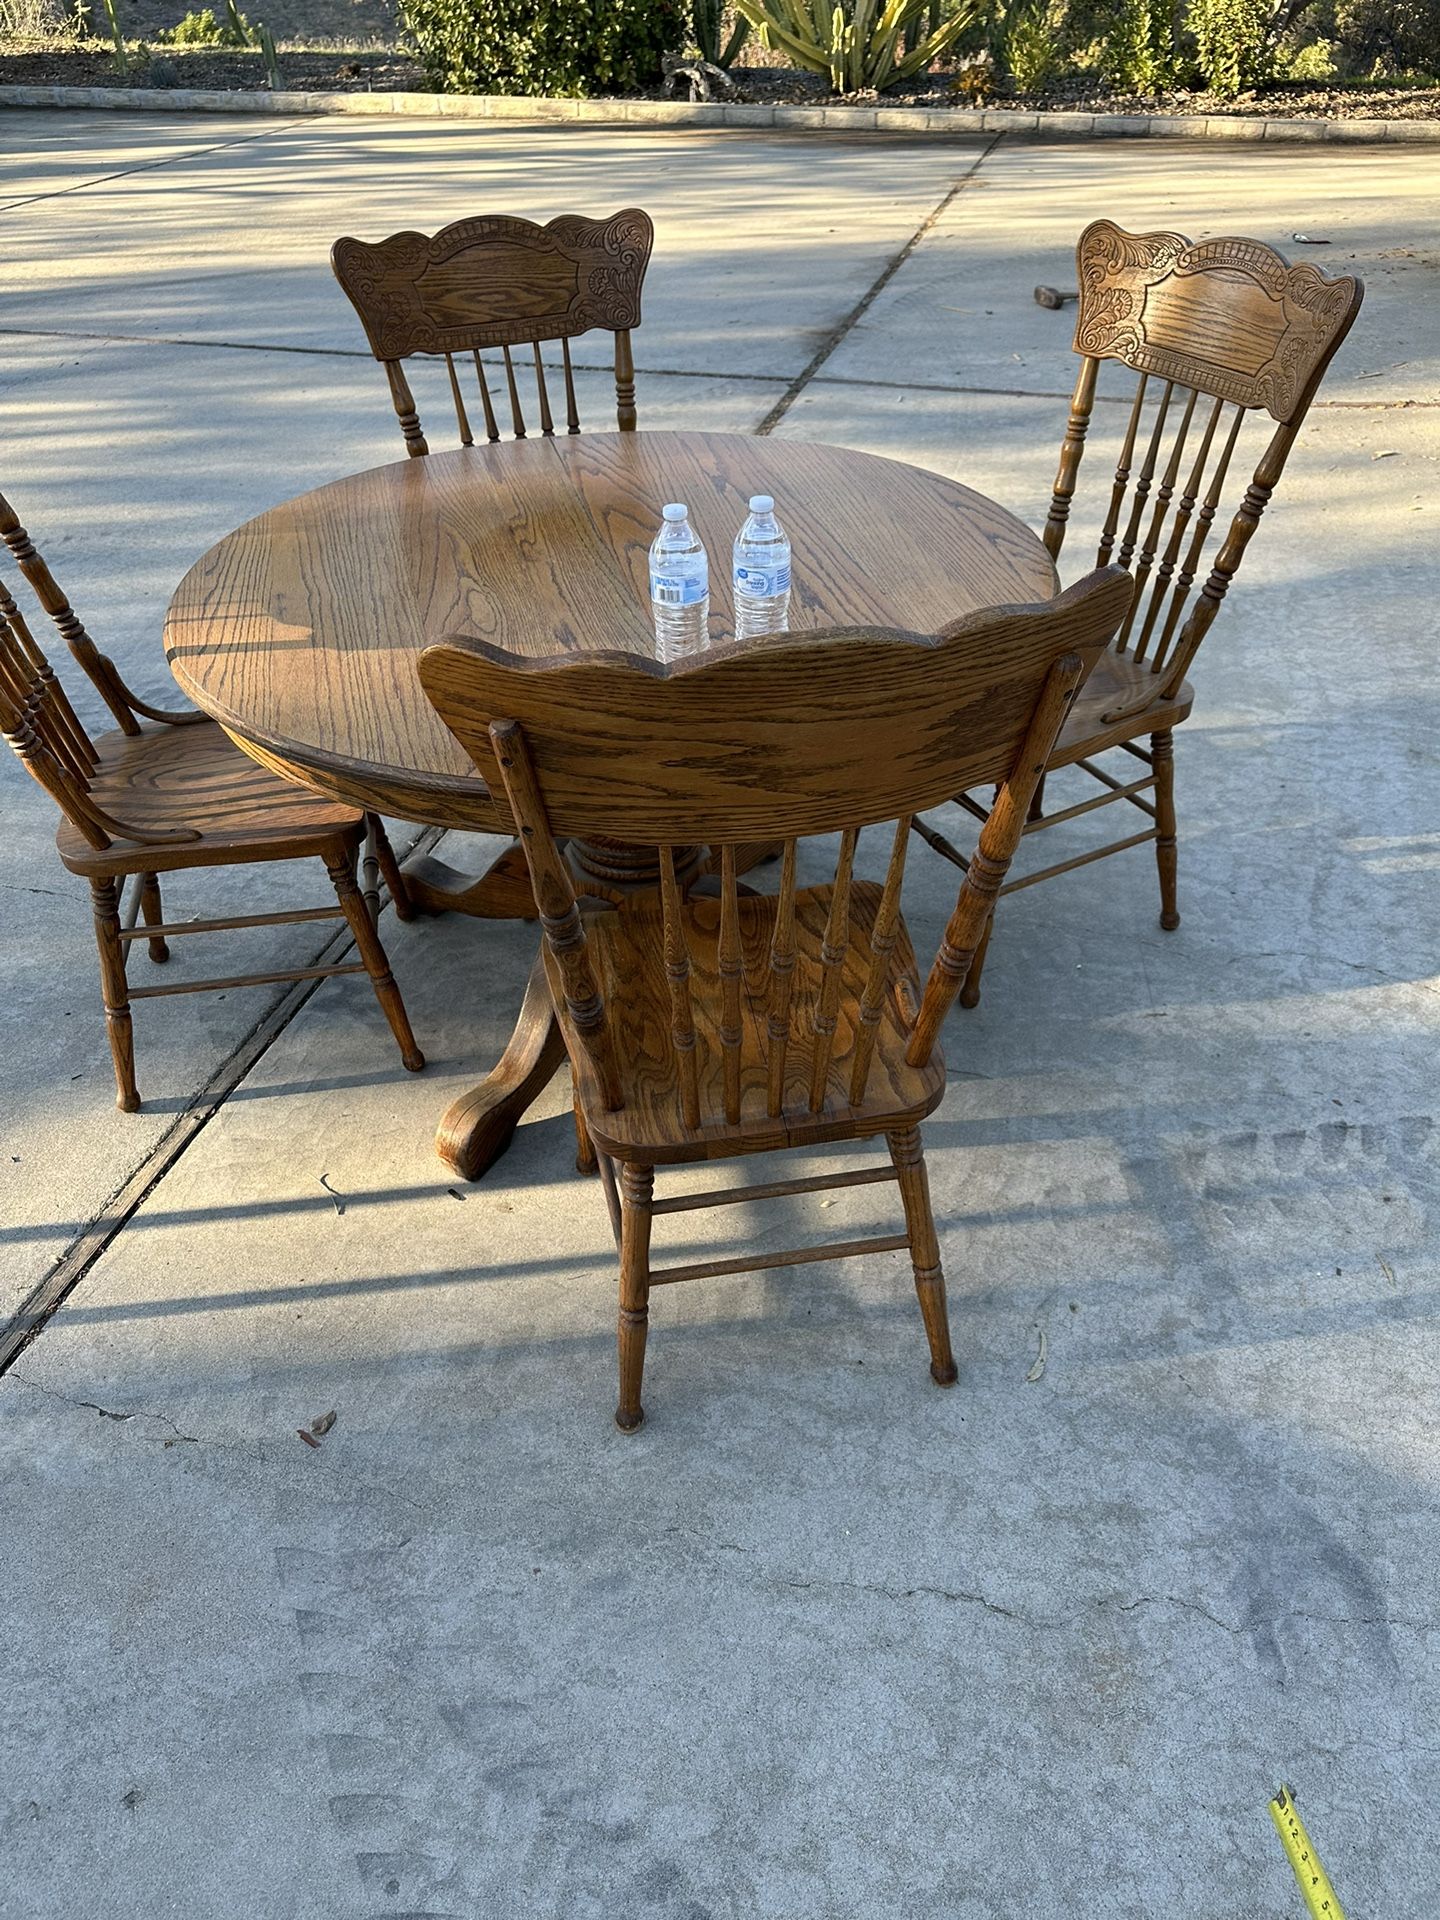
(478, 1127)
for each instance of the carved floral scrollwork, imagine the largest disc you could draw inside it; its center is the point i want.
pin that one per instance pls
(579, 274)
(1279, 335)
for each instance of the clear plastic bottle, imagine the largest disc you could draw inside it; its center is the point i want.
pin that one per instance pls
(679, 587)
(762, 572)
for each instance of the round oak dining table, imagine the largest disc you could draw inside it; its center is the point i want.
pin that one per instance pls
(300, 632)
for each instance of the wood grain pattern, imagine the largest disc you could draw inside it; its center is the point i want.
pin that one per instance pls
(702, 1029)
(1217, 334)
(301, 631)
(497, 281)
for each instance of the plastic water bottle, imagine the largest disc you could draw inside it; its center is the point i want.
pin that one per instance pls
(679, 587)
(762, 572)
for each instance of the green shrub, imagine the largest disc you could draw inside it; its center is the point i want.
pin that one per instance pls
(1388, 36)
(557, 47)
(204, 30)
(1034, 44)
(861, 44)
(1138, 50)
(1315, 62)
(1234, 43)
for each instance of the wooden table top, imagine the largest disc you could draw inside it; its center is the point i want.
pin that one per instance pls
(300, 631)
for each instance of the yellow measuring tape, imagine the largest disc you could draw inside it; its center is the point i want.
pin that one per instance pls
(1315, 1885)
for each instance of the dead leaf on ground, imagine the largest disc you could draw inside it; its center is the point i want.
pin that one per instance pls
(308, 1438)
(1387, 1270)
(324, 1423)
(338, 1198)
(1038, 1365)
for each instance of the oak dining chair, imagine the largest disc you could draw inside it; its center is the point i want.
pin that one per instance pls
(1212, 339)
(497, 281)
(703, 1028)
(153, 799)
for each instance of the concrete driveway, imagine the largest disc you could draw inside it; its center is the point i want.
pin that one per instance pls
(819, 1641)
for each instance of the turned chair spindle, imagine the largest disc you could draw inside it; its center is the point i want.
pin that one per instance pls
(702, 1028)
(1222, 332)
(499, 283)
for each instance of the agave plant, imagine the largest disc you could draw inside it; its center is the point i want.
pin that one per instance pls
(859, 45)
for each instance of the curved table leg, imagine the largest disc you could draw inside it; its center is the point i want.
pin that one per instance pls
(501, 893)
(478, 1126)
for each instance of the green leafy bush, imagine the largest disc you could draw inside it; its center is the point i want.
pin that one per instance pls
(1315, 62)
(204, 30)
(1138, 51)
(1386, 36)
(1234, 43)
(859, 45)
(556, 47)
(1033, 44)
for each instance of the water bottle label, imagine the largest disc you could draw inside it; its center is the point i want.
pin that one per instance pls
(763, 582)
(670, 590)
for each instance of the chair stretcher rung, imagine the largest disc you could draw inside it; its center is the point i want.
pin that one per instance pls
(237, 920)
(731, 1196)
(1116, 792)
(1081, 860)
(243, 980)
(795, 1257)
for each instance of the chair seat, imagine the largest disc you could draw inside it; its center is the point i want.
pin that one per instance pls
(1118, 701)
(629, 951)
(195, 776)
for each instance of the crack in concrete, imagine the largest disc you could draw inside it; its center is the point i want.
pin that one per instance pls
(1046, 1623)
(107, 1413)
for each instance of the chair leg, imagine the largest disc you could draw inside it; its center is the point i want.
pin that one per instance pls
(970, 992)
(370, 869)
(105, 902)
(153, 914)
(390, 869)
(909, 1159)
(585, 1161)
(340, 866)
(637, 1186)
(1162, 753)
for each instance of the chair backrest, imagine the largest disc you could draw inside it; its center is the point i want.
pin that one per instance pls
(498, 281)
(801, 734)
(1212, 328)
(98, 668)
(38, 721)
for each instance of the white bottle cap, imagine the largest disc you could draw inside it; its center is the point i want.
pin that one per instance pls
(761, 503)
(677, 510)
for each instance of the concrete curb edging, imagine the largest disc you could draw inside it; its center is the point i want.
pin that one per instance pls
(944, 122)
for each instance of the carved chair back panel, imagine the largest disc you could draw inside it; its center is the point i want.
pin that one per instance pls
(498, 282)
(1228, 317)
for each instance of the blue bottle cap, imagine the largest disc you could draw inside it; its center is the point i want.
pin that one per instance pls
(761, 503)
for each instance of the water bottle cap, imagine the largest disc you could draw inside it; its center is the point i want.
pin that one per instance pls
(677, 510)
(761, 503)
